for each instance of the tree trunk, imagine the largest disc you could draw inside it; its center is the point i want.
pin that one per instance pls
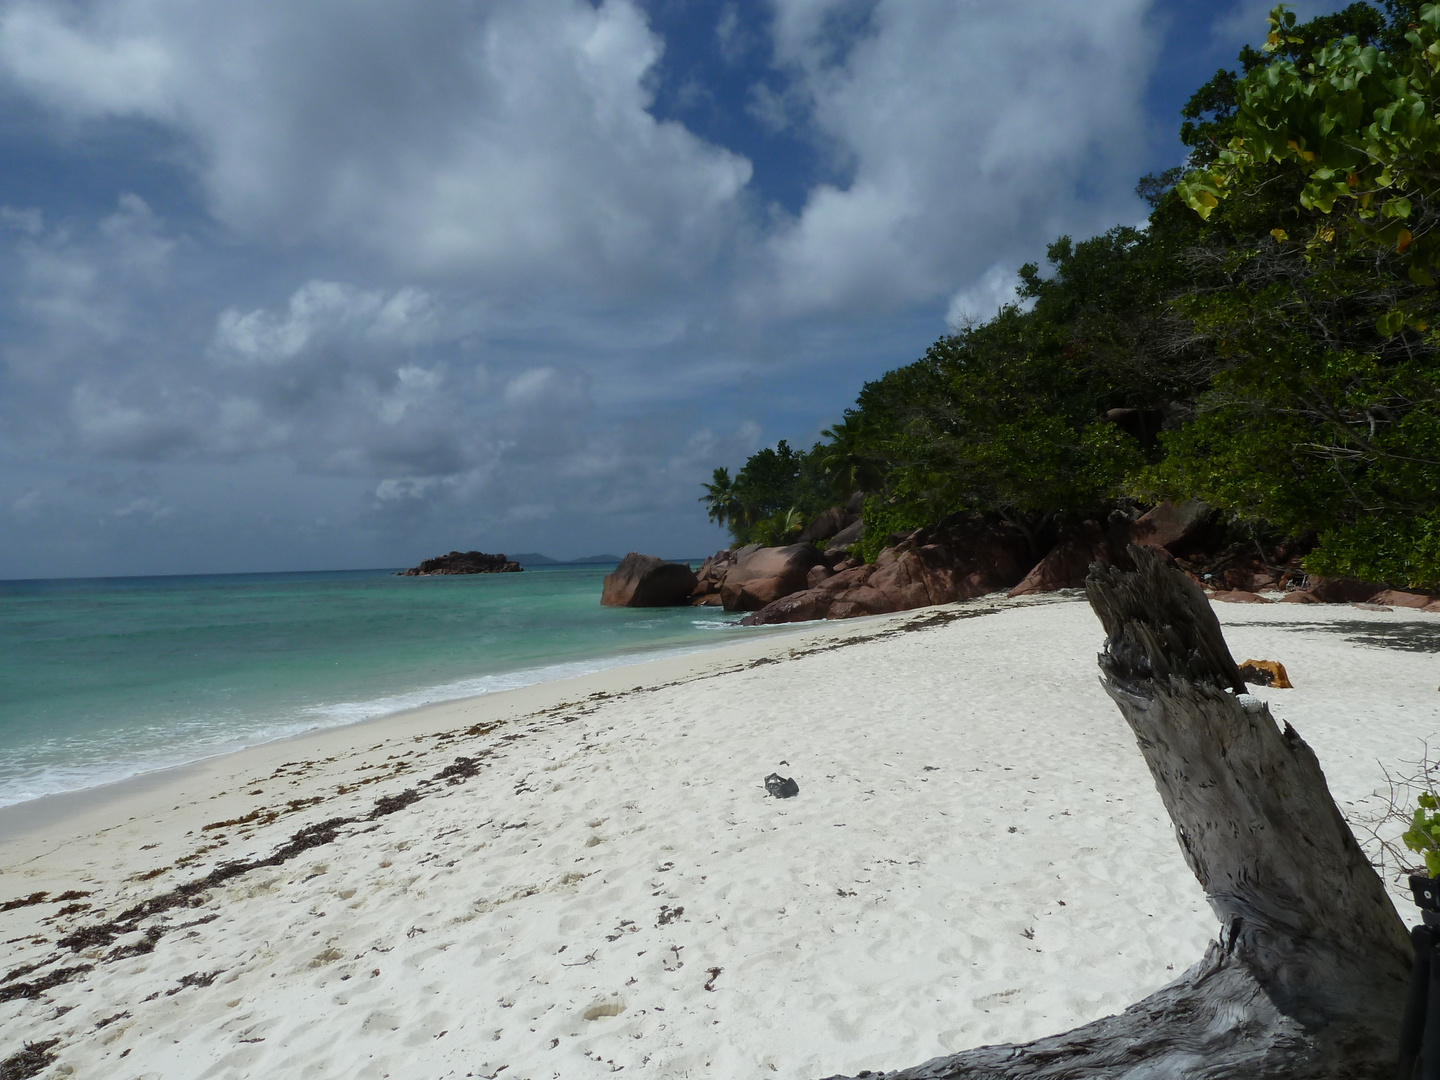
(1308, 975)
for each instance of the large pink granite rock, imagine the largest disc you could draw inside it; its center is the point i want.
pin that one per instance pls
(1239, 596)
(1401, 599)
(711, 575)
(1170, 525)
(761, 576)
(967, 560)
(645, 581)
(1341, 590)
(1066, 564)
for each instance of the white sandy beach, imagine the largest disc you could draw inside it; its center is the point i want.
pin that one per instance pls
(977, 855)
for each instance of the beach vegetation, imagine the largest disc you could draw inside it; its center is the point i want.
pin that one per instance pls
(773, 496)
(1423, 835)
(1268, 342)
(719, 498)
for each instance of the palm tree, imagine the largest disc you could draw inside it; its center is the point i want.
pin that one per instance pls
(719, 498)
(848, 459)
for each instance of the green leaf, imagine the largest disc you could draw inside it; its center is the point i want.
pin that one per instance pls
(1399, 208)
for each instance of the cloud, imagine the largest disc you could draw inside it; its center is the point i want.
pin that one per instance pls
(108, 69)
(324, 313)
(442, 268)
(1245, 21)
(108, 425)
(400, 489)
(504, 139)
(980, 301)
(81, 297)
(27, 506)
(30, 220)
(957, 128)
(735, 39)
(512, 146)
(529, 386)
(150, 507)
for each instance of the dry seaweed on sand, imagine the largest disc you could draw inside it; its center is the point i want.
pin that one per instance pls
(28, 1061)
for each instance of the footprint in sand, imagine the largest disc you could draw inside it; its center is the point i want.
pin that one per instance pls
(604, 1008)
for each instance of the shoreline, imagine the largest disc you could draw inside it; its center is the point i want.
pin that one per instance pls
(549, 674)
(588, 874)
(281, 655)
(57, 810)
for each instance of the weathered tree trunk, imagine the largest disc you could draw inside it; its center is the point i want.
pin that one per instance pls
(1308, 975)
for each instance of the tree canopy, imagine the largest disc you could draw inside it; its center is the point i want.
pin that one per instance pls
(1266, 343)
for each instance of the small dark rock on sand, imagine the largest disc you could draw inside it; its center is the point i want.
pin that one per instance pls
(782, 787)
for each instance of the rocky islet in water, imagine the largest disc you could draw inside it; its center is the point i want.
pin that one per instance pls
(464, 562)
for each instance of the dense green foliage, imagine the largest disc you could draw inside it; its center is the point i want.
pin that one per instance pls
(1331, 363)
(1264, 344)
(1423, 836)
(773, 496)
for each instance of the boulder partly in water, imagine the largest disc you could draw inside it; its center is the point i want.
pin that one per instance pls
(647, 581)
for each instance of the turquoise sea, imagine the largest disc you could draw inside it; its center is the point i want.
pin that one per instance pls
(101, 679)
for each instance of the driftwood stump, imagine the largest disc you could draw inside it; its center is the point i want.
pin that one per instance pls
(1308, 975)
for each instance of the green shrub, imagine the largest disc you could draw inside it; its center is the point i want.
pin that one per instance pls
(883, 518)
(1399, 550)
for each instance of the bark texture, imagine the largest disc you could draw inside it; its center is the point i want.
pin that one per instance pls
(1307, 978)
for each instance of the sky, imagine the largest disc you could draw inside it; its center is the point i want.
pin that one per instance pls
(349, 284)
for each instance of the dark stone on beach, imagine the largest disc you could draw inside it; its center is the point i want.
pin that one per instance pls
(464, 562)
(969, 558)
(1342, 590)
(782, 787)
(647, 581)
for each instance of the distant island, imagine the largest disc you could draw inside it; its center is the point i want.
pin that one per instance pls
(478, 562)
(464, 562)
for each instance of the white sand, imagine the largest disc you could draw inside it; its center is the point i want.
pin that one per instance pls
(977, 854)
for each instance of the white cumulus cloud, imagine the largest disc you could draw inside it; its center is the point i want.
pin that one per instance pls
(493, 140)
(965, 127)
(456, 263)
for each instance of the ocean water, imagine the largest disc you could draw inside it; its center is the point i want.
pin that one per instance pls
(102, 679)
